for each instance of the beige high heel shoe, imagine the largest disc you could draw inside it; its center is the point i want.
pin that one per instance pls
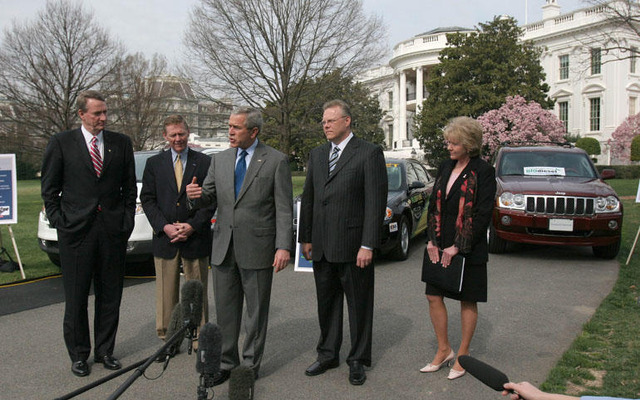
(455, 374)
(433, 368)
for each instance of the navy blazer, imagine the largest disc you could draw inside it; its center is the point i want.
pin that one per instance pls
(344, 211)
(72, 193)
(163, 204)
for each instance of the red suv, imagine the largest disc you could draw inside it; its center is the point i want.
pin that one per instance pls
(554, 195)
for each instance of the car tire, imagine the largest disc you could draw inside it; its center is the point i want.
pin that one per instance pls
(497, 245)
(401, 249)
(54, 258)
(607, 252)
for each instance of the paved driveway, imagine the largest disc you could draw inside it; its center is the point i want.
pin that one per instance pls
(539, 298)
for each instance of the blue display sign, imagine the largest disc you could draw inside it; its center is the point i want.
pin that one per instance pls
(8, 189)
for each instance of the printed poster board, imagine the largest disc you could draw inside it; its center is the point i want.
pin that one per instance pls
(8, 189)
(301, 263)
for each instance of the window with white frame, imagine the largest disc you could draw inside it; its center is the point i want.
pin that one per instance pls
(596, 61)
(594, 114)
(564, 66)
(390, 100)
(563, 114)
(633, 58)
(633, 100)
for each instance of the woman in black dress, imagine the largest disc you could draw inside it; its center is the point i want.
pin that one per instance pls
(459, 214)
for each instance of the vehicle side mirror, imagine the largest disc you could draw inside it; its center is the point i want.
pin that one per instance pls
(416, 185)
(608, 174)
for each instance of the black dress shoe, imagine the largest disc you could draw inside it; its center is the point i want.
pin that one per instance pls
(80, 368)
(221, 377)
(109, 362)
(318, 367)
(356, 373)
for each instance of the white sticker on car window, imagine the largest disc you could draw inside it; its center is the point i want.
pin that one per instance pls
(544, 171)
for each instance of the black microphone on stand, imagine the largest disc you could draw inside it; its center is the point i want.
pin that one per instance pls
(241, 383)
(191, 308)
(208, 357)
(175, 327)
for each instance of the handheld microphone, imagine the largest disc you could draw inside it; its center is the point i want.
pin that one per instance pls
(241, 383)
(191, 308)
(485, 373)
(208, 356)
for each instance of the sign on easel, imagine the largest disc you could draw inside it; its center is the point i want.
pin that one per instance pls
(8, 190)
(635, 241)
(9, 199)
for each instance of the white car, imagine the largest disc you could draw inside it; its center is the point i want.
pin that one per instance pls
(139, 246)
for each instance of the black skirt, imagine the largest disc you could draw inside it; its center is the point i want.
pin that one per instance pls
(474, 285)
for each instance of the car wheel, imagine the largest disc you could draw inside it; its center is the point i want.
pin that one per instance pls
(55, 258)
(496, 244)
(607, 252)
(401, 250)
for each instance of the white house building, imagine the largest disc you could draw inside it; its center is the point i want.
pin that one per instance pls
(595, 84)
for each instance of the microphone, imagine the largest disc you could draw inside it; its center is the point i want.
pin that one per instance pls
(241, 383)
(191, 308)
(192, 303)
(485, 373)
(175, 326)
(208, 356)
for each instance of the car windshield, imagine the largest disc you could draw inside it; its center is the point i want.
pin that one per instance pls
(539, 163)
(141, 160)
(394, 177)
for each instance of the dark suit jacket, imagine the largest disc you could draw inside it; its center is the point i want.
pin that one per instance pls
(72, 192)
(163, 204)
(482, 208)
(344, 211)
(260, 219)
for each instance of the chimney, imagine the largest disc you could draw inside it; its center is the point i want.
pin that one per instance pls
(550, 10)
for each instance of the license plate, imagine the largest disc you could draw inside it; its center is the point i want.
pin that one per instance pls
(564, 225)
(393, 227)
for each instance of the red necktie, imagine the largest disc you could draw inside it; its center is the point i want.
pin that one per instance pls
(95, 156)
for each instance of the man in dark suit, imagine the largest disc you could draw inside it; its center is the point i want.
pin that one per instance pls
(341, 216)
(251, 185)
(181, 236)
(89, 193)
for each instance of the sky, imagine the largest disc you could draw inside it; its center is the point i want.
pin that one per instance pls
(156, 26)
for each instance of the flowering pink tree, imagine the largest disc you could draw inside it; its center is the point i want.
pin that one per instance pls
(623, 135)
(519, 121)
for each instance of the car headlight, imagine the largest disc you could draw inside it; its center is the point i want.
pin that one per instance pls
(139, 209)
(510, 200)
(388, 214)
(607, 204)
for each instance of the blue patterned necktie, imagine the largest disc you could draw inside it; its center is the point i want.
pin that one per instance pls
(241, 169)
(333, 160)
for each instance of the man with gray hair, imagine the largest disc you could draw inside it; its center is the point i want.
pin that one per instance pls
(250, 184)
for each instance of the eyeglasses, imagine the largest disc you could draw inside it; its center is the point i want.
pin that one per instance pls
(331, 121)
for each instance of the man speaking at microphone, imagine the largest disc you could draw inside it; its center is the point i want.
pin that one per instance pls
(250, 184)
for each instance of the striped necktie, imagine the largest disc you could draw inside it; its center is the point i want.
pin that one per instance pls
(333, 160)
(96, 158)
(178, 171)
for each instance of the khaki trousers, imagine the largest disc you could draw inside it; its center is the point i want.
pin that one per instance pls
(168, 287)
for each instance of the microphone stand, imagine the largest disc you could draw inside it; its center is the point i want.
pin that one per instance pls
(138, 372)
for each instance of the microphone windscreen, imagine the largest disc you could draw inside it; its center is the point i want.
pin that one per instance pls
(485, 373)
(241, 383)
(209, 349)
(192, 302)
(175, 325)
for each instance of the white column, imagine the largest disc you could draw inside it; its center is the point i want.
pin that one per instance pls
(402, 117)
(419, 93)
(396, 111)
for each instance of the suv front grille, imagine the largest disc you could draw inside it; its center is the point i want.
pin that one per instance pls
(560, 205)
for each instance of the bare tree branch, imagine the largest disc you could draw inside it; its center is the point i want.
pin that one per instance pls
(264, 51)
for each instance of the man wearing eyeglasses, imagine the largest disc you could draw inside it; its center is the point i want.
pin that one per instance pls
(342, 210)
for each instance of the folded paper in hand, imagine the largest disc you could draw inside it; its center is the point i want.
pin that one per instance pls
(449, 279)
